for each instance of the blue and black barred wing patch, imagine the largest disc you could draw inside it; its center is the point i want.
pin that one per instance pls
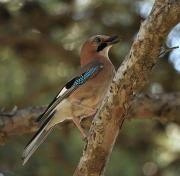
(87, 75)
(71, 86)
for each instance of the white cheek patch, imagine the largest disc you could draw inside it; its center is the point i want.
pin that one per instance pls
(105, 51)
(62, 92)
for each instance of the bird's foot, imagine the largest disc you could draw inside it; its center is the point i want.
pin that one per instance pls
(82, 131)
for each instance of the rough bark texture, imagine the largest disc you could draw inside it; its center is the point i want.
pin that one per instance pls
(18, 122)
(129, 79)
(163, 107)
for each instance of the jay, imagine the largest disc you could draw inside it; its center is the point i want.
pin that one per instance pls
(82, 95)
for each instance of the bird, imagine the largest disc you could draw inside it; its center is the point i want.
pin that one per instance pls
(82, 96)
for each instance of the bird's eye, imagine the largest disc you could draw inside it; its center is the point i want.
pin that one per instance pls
(97, 40)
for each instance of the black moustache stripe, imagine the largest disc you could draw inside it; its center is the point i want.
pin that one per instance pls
(101, 47)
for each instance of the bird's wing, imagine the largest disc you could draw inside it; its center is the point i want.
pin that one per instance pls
(85, 73)
(45, 119)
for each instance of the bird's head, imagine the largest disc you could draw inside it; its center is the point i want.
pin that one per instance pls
(97, 45)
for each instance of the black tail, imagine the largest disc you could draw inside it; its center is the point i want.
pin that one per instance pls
(37, 140)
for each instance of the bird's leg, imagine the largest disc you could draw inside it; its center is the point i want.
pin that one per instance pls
(77, 123)
(89, 116)
(86, 121)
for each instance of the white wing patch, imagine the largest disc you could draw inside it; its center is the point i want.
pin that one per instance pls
(62, 92)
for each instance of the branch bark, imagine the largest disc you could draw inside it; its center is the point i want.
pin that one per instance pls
(130, 78)
(18, 122)
(162, 107)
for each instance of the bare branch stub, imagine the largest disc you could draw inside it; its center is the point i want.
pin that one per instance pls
(167, 49)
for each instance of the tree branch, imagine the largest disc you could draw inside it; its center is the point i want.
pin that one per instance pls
(163, 107)
(129, 79)
(18, 122)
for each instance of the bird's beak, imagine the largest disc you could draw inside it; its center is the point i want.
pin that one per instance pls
(108, 42)
(112, 40)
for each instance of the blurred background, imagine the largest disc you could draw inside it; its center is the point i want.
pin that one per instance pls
(39, 51)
